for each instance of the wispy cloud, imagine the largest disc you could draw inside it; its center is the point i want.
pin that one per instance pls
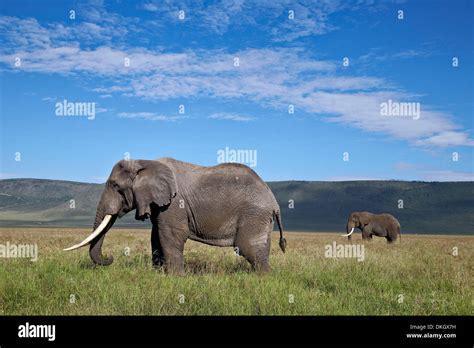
(150, 7)
(49, 99)
(269, 77)
(447, 138)
(309, 17)
(101, 110)
(219, 16)
(149, 116)
(231, 117)
(379, 54)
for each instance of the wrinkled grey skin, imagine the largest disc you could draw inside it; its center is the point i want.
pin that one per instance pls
(225, 205)
(380, 225)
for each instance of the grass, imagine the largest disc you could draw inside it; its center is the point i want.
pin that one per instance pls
(217, 282)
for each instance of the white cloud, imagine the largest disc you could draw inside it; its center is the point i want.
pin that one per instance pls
(380, 54)
(410, 53)
(272, 78)
(362, 110)
(20, 33)
(150, 116)
(231, 117)
(150, 7)
(95, 27)
(220, 15)
(447, 138)
(311, 17)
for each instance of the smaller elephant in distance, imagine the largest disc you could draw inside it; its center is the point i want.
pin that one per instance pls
(380, 225)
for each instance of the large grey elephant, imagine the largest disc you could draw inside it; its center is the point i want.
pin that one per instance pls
(225, 205)
(381, 225)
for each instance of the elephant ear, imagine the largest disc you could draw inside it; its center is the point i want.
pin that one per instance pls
(154, 183)
(364, 218)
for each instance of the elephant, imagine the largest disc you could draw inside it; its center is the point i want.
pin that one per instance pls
(381, 225)
(226, 205)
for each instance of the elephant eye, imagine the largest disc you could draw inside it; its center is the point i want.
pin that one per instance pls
(114, 185)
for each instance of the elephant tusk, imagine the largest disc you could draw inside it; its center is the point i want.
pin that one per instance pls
(94, 234)
(347, 235)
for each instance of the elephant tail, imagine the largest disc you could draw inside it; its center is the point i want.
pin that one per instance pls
(282, 239)
(400, 233)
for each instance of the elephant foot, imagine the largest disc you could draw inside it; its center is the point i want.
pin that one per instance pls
(174, 268)
(262, 267)
(174, 271)
(158, 266)
(157, 260)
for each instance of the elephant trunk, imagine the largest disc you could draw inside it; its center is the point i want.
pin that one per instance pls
(95, 248)
(103, 222)
(349, 230)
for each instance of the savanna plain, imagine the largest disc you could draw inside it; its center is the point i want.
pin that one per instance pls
(422, 275)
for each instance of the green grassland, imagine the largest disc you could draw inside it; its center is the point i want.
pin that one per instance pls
(423, 269)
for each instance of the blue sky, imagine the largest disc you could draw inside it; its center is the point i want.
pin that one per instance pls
(190, 61)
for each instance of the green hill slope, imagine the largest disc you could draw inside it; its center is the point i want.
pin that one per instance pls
(434, 207)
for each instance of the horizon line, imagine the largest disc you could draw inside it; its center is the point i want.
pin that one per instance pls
(269, 181)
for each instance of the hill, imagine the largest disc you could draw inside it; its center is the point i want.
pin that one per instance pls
(428, 207)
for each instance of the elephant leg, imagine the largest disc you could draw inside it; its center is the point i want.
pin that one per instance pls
(263, 253)
(367, 233)
(156, 250)
(391, 236)
(255, 248)
(172, 245)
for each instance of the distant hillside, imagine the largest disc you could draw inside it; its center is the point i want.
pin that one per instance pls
(428, 207)
(39, 202)
(435, 207)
